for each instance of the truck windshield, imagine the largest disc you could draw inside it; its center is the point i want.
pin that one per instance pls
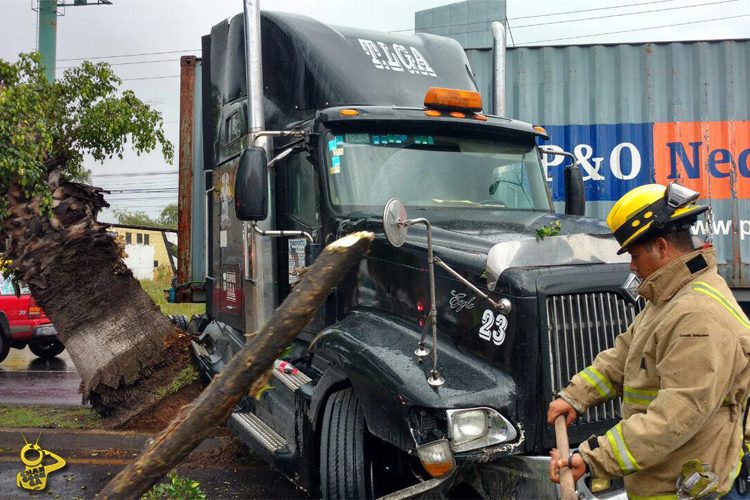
(365, 170)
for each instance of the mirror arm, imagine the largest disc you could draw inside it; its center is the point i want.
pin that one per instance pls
(275, 133)
(503, 307)
(435, 380)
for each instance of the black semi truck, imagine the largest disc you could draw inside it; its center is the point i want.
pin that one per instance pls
(429, 369)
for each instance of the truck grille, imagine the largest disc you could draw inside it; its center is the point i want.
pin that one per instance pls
(580, 326)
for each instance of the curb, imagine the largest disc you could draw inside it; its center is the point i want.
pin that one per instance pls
(72, 439)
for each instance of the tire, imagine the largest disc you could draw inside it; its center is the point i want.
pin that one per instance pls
(179, 320)
(197, 324)
(47, 350)
(344, 465)
(4, 347)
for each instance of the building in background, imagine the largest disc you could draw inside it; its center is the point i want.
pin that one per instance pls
(151, 253)
(632, 114)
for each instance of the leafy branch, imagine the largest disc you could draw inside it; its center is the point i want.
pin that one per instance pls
(550, 229)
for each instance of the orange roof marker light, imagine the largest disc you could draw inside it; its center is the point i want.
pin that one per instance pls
(433, 112)
(349, 112)
(453, 99)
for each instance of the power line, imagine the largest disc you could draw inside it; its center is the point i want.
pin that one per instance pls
(141, 191)
(134, 174)
(546, 15)
(629, 13)
(140, 201)
(637, 29)
(125, 201)
(130, 55)
(128, 63)
(131, 186)
(593, 10)
(155, 208)
(149, 78)
(613, 15)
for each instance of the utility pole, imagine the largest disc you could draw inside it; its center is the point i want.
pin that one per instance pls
(47, 12)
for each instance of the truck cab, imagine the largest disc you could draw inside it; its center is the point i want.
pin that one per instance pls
(429, 368)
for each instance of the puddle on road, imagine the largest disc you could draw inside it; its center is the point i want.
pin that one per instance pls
(25, 360)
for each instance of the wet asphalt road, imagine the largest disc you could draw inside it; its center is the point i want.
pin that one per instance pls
(83, 478)
(28, 380)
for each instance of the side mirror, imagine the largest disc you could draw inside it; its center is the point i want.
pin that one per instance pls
(251, 186)
(575, 197)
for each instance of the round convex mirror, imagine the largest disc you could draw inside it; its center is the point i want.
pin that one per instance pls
(394, 217)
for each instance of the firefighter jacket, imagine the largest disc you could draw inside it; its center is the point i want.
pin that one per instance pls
(682, 371)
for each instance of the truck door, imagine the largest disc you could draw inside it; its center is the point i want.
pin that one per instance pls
(300, 207)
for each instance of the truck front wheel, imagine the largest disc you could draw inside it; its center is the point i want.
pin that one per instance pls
(345, 468)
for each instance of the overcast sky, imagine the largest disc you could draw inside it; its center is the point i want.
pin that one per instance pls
(143, 27)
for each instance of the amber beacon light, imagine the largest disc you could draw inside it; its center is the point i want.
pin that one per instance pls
(453, 99)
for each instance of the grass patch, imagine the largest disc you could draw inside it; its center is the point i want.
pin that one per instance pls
(184, 377)
(49, 417)
(155, 290)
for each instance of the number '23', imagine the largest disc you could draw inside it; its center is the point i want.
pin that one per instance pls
(493, 327)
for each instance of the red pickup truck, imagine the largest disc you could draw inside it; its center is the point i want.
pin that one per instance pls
(22, 323)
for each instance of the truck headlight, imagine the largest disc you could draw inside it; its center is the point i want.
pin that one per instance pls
(472, 428)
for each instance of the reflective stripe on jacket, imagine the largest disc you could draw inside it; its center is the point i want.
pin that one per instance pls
(682, 371)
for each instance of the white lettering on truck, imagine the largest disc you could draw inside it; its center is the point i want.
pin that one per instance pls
(396, 57)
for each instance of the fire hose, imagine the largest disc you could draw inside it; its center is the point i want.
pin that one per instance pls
(567, 484)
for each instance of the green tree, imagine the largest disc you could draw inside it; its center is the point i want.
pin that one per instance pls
(48, 224)
(134, 218)
(167, 219)
(168, 216)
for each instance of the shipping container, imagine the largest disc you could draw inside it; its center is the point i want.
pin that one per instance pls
(633, 114)
(649, 112)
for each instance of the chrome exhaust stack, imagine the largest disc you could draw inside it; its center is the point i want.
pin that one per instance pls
(262, 288)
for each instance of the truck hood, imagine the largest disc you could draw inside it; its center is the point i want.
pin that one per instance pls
(493, 241)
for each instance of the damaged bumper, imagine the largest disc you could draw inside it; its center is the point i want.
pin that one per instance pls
(507, 477)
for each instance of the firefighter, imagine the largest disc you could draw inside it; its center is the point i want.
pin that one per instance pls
(681, 368)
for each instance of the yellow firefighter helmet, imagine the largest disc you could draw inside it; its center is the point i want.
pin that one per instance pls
(652, 209)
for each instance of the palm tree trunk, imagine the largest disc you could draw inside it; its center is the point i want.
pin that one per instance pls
(111, 328)
(246, 369)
